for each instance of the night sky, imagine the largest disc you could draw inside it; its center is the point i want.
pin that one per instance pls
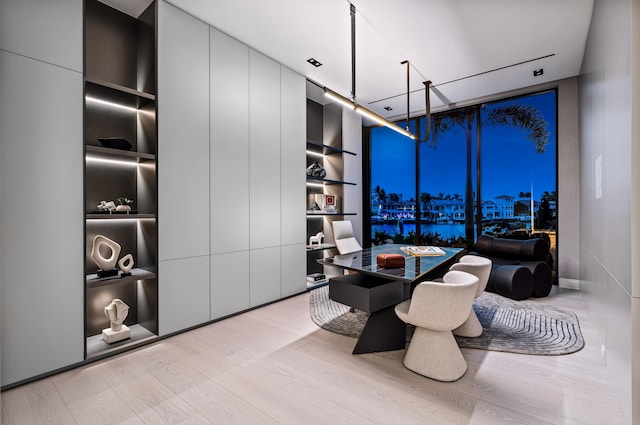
(510, 164)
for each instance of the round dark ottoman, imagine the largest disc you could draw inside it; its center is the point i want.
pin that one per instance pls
(511, 281)
(542, 278)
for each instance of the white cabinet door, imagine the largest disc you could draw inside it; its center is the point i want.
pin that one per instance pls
(229, 144)
(41, 217)
(229, 283)
(264, 151)
(293, 115)
(47, 30)
(294, 269)
(183, 135)
(183, 287)
(265, 279)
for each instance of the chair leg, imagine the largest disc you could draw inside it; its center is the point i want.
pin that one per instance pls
(471, 327)
(436, 355)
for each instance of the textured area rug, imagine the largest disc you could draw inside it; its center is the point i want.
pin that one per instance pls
(525, 327)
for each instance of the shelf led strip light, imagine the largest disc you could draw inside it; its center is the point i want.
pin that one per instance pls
(318, 154)
(130, 163)
(116, 105)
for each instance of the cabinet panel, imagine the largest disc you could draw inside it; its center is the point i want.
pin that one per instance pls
(352, 194)
(184, 293)
(264, 266)
(292, 147)
(229, 283)
(47, 30)
(183, 142)
(41, 247)
(229, 99)
(294, 269)
(264, 169)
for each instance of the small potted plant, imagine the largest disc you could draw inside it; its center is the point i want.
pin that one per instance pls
(124, 204)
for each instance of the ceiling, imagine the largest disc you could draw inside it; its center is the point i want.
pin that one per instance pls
(468, 48)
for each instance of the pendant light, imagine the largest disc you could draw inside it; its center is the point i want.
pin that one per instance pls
(353, 104)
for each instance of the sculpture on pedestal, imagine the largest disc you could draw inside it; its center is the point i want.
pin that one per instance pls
(106, 265)
(116, 312)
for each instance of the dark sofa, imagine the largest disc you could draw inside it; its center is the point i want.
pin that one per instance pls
(521, 267)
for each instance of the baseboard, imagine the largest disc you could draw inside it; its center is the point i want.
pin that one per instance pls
(569, 283)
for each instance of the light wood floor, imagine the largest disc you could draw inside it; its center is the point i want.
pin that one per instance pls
(274, 366)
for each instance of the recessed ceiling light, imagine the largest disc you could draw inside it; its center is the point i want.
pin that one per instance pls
(538, 72)
(314, 62)
(388, 108)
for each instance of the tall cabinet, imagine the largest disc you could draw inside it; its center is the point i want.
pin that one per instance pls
(120, 163)
(41, 232)
(183, 180)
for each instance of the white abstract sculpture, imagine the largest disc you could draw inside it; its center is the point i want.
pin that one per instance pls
(316, 239)
(106, 206)
(126, 264)
(105, 264)
(116, 312)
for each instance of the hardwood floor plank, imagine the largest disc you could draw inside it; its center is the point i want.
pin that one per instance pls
(34, 404)
(274, 366)
(155, 404)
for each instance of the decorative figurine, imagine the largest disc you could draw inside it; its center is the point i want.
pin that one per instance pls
(316, 170)
(316, 239)
(106, 206)
(116, 312)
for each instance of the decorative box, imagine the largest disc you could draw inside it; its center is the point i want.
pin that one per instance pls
(390, 261)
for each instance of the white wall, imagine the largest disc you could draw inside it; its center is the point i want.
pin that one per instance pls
(608, 229)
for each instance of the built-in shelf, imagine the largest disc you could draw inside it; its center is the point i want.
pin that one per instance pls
(327, 150)
(319, 214)
(136, 274)
(320, 247)
(117, 94)
(118, 215)
(120, 102)
(119, 153)
(96, 346)
(328, 181)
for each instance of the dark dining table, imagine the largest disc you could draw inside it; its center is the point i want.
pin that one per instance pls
(376, 290)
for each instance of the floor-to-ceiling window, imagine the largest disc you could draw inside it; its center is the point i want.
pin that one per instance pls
(488, 168)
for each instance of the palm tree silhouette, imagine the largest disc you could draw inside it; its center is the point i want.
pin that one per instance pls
(513, 114)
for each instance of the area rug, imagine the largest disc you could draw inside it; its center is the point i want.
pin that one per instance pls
(524, 327)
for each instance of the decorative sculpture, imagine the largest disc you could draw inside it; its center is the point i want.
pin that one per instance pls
(106, 206)
(316, 170)
(116, 312)
(106, 265)
(126, 264)
(316, 239)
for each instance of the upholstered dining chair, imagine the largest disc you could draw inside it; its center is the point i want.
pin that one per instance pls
(481, 268)
(435, 309)
(343, 235)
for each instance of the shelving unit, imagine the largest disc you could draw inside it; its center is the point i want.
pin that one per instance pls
(324, 122)
(120, 102)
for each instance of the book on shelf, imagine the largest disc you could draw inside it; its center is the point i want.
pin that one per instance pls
(423, 250)
(315, 277)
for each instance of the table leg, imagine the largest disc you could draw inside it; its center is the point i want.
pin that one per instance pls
(384, 331)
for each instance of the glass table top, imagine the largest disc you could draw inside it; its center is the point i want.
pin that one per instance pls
(415, 268)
